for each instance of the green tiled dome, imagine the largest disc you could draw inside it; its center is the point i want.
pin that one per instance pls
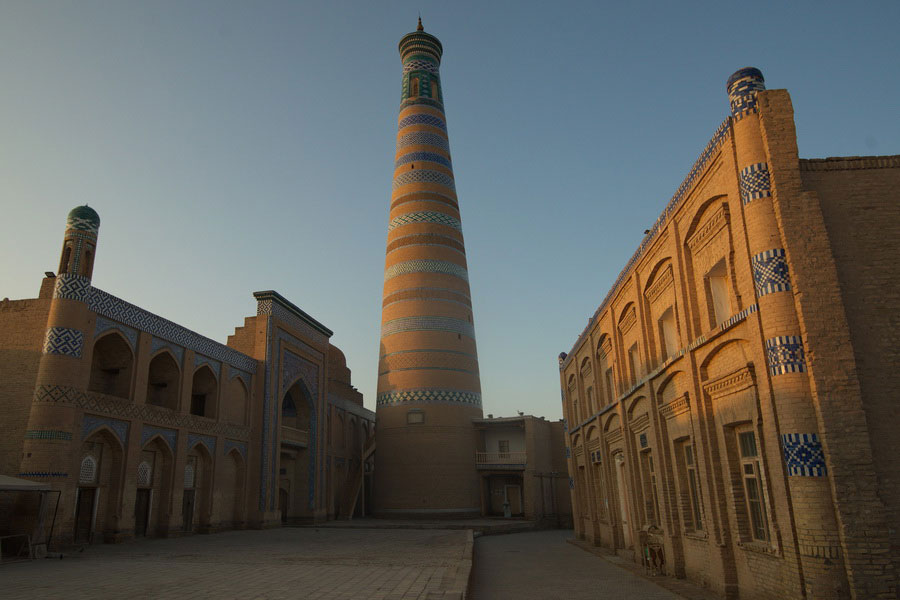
(83, 217)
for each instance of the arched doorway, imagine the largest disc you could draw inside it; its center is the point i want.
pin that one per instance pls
(197, 494)
(154, 489)
(230, 492)
(296, 455)
(99, 490)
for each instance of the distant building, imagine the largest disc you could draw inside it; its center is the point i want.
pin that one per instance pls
(149, 429)
(731, 405)
(522, 469)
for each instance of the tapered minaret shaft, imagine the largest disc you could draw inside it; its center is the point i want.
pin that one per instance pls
(428, 383)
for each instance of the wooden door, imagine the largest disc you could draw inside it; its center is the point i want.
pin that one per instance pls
(514, 497)
(84, 515)
(141, 512)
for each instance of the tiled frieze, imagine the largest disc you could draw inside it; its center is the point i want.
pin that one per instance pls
(80, 224)
(428, 396)
(90, 401)
(425, 216)
(420, 64)
(785, 354)
(69, 286)
(241, 447)
(48, 434)
(423, 176)
(427, 293)
(422, 138)
(91, 423)
(423, 265)
(427, 323)
(168, 435)
(64, 341)
(422, 119)
(215, 365)
(803, 455)
(743, 88)
(104, 325)
(755, 182)
(247, 377)
(111, 307)
(770, 272)
(413, 157)
(177, 351)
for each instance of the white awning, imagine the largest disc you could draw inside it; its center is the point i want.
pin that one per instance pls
(8, 484)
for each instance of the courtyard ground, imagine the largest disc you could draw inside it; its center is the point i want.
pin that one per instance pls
(332, 563)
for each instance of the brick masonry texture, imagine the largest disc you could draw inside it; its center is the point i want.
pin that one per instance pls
(752, 450)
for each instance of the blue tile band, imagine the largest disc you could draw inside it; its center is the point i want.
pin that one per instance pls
(423, 157)
(428, 396)
(423, 176)
(442, 267)
(803, 455)
(422, 119)
(785, 354)
(770, 272)
(421, 138)
(64, 341)
(406, 324)
(755, 182)
(425, 216)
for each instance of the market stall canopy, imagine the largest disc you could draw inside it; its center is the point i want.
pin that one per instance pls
(8, 483)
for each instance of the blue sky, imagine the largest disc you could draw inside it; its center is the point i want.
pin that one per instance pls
(234, 147)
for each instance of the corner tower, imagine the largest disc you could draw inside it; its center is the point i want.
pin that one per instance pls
(428, 384)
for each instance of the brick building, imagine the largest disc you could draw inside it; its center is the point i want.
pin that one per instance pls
(150, 429)
(730, 403)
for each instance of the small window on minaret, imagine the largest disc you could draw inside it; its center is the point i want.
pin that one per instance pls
(434, 89)
(413, 87)
(64, 263)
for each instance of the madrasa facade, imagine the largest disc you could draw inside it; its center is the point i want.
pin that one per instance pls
(731, 405)
(146, 428)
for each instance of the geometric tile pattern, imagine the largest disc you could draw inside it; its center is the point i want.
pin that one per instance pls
(426, 266)
(247, 377)
(47, 434)
(65, 341)
(785, 354)
(101, 403)
(423, 156)
(425, 216)
(423, 176)
(168, 435)
(204, 360)
(421, 100)
(82, 224)
(42, 474)
(770, 272)
(803, 454)
(429, 396)
(90, 423)
(755, 182)
(418, 64)
(105, 324)
(268, 307)
(421, 138)
(743, 87)
(423, 323)
(177, 351)
(119, 310)
(72, 287)
(207, 440)
(422, 119)
(240, 446)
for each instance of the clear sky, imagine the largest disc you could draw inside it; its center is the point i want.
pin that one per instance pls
(239, 146)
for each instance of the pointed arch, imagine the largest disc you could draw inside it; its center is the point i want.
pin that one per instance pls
(163, 380)
(112, 365)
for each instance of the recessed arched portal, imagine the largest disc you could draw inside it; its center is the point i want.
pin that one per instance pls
(111, 366)
(99, 486)
(297, 454)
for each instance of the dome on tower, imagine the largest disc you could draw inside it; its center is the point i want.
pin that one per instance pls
(84, 218)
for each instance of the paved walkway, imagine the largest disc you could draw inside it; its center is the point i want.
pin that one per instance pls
(388, 564)
(540, 565)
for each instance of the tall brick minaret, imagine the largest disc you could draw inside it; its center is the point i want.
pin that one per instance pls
(428, 383)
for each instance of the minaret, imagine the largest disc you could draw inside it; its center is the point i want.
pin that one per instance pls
(428, 383)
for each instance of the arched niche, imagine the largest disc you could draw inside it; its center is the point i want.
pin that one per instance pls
(204, 393)
(112, 366)
(163, 380)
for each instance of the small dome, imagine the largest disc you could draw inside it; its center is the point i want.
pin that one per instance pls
(83, 218)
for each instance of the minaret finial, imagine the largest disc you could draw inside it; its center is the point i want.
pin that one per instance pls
(420, 28)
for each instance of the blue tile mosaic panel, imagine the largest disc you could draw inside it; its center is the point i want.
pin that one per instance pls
(215, 365)
(770, 272)
(428, 396)
(91, 423)
(422, 119)
(785, 354)
(423, 176)
(803, 455)
(420, 64)
(72, 287)
(423, 157)
(426, 266)
(65, 341)
(207, 440)
(743, 88)
(104, 325)
(168, 435)
(241, 447)
(421, 138)
(755, 182)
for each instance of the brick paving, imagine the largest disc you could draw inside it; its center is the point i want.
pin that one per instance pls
(309, 563)
(540, 565)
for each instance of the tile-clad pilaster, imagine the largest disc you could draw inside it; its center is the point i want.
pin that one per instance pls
(815, 521)
(428, 361)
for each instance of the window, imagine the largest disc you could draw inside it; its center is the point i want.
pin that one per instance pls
(413, 87)
(503, 448)
(590, 400)
(434, 89)
(648, 480)
(668, 334)
(693, 517)
(751, 474)
(66, 257)
(717, 284)
(87, 474)
(414, 417)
